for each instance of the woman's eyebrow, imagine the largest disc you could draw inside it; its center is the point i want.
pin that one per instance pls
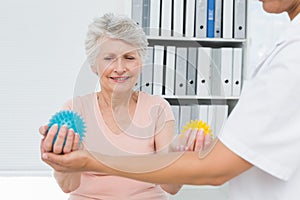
(133, 52)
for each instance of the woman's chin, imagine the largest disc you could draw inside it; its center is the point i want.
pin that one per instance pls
(122, 89)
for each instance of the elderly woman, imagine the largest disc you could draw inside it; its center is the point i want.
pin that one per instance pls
(119, 120)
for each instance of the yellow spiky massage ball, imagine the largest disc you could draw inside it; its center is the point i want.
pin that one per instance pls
(197, 124)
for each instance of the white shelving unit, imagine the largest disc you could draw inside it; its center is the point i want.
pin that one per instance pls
(202, 42)
(169, 17)
(199, 192)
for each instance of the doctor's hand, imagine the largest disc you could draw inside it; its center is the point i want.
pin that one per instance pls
(192, 140)
(66, 141)
(76, 161)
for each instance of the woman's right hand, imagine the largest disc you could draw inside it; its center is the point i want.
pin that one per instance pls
(68, 182)
(59, 146)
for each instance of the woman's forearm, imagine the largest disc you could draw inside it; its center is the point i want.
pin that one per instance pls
(68, 181)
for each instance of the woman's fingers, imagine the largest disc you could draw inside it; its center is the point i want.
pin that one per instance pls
(207, 142)
(72, 142)
(191, 140)
(42, 149)
(199, 143)
(76, 142)
(43, 130)
(55, 166)
(183, 140)
(60, 140)
(67, 147)
(66, 140)
(48, 142)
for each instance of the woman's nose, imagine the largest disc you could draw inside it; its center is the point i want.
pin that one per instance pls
(119, 66)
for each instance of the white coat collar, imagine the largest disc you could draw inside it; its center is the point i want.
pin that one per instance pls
(288, 34)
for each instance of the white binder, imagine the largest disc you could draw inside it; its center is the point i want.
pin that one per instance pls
(147, 72)
(146, 16)
(200, 112)
(201, 18)
(218, 115)
(137, 86)
(185, 115)
(204, 71)
(211, 117)
(176, 112)
(190, 18)
(154, 17)
(170, 71)
(137, 11)
(226, 70)
(158, 66)
(203, 113)
(216, 84)
(237, 71)
(227, 18)
(195, 112)
(191, 71)
(221, 113)
(181, 71)
(218, 18)
(239, 22)
(166, 18)
(178, 18)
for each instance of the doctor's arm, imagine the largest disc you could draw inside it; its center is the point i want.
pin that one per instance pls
(219, 166)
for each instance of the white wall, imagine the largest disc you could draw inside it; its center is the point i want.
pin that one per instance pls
(30, 188)
(41, 51)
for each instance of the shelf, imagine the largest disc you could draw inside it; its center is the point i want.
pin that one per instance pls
(200, 98)
(190, 100)
(195, 42)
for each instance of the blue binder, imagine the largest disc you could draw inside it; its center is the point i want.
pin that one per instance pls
(211, 18)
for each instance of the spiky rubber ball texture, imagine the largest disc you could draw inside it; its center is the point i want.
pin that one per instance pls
(71, 119)
(198, 124)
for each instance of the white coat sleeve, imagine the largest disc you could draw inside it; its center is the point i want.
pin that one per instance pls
(264, 127)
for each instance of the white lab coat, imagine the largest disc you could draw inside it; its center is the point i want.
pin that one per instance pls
(264, 127)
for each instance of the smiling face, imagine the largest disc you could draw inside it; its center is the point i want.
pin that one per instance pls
(118, 65)
(292, 7)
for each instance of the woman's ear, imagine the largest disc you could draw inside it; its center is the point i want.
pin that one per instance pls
(94, 69)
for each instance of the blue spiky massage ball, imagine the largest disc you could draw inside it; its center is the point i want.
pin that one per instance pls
(71, 119)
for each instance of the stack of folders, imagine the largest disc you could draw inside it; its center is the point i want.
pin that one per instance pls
(213, 115)
(190, 71)
(191, 18)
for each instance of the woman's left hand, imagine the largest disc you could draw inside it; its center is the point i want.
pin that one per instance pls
(192, 140)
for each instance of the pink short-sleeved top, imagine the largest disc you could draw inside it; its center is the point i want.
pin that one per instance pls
(138, 138)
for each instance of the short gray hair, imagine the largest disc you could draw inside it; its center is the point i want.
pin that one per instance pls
(116, 27)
